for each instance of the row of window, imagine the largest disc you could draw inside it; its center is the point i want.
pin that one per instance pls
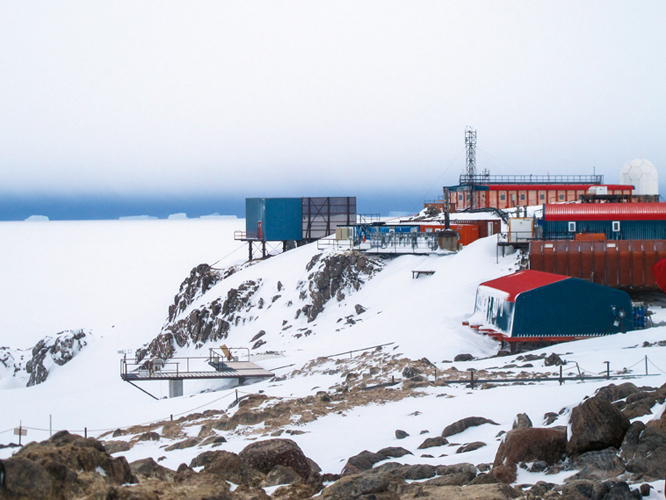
(616, 226)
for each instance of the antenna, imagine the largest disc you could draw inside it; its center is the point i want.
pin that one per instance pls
(470, 145)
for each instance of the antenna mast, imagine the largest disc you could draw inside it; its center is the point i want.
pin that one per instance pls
(470, 145)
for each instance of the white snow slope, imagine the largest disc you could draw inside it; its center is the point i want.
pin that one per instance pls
(117, 278)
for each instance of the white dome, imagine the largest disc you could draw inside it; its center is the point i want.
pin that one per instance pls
(643, 175)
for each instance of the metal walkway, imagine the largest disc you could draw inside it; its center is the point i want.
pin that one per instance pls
(238, 369)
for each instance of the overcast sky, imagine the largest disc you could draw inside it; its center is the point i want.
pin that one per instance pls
(322, 97)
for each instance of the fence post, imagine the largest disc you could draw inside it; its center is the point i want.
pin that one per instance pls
(471, 375)
(646, 367)
(607, 369)
(561, 375)
(236, 395)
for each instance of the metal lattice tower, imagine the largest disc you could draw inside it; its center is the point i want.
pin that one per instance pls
(470, 145)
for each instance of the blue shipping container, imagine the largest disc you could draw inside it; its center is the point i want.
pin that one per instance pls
(273, 219)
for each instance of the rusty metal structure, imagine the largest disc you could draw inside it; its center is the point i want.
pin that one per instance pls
(623, 264)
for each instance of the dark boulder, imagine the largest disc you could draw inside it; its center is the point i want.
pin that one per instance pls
(400, 434)
(471, 447)
(280, 475)
(598, 465)
(26, 479)
(465, 423)
(522, 421)
(647, 454)
(528, 445)
(433, 442)
(355, 485)
(361, 462)
(264, 455)
(614, 392)
(554, 360)
(148, 468)
(394, 452)
(454, 475)
(463, 357)
(595, 425)
(229, 467)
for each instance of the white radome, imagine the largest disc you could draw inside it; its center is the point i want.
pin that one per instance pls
(643, 175)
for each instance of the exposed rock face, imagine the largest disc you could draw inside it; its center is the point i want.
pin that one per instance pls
(207, 323)
(333, 275)
(59, 350)
(595, 425)
(465, 423)
(34, 364)
(529, 444)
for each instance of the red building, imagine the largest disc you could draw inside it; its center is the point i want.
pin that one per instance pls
(509, 191)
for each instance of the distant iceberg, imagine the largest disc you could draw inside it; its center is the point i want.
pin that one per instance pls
(37, 218)
(218, 216)
(180, 216)
(138, 217)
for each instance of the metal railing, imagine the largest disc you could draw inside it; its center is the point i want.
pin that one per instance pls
(530, 179)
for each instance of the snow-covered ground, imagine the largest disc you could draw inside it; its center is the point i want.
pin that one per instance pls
(117, 279)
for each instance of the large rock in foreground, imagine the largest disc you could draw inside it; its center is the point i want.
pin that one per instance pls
(63, 466)
(596, 425)
(529, 444)
(265, 455)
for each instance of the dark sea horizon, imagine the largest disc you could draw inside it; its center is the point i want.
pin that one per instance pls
(15, 207)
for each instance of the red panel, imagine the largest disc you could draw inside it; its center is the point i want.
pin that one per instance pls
(659, 271)
(605, 211)
(523, 281)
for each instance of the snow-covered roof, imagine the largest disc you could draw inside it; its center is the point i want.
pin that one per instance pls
(522, 281)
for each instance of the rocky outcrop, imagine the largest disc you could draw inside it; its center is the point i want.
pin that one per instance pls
(335, 275)
(207, 323)
(33, 365)
(64, 466)
(59, 350)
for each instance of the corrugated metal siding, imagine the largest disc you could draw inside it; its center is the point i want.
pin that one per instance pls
(283, 219)
(623, 263)
(605, 211)
(571, 308)
(629, 230)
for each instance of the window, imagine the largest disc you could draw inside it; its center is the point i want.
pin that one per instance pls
(616, 226)
(460, 196)
(542, 197)
(503, 197)
(572, 227)
(522, 197)
(562, 197)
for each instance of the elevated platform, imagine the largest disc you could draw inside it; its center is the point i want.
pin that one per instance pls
(238, 370)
